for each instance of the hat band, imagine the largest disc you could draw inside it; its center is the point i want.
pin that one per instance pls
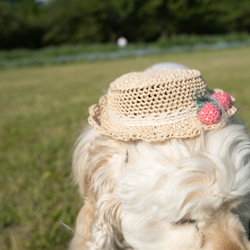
(168, 117)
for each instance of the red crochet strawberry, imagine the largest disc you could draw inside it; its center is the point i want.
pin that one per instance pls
(224, 99)
(209, 114)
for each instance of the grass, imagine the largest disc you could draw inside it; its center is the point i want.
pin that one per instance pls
(43, 110)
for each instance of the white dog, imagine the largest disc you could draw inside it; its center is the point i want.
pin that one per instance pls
(164, 165)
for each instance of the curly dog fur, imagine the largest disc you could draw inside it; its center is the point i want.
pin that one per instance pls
(177, 194)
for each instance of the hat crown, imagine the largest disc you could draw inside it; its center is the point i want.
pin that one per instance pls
(153, 92)
(150, 78)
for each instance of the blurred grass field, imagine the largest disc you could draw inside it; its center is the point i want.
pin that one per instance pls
(43, 110)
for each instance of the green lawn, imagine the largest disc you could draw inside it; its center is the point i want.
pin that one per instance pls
(43, 110)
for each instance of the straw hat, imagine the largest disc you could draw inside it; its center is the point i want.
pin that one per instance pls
(153, 106)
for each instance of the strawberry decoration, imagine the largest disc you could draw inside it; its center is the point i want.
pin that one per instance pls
(209, 114)
(209, 109)
(224, 100)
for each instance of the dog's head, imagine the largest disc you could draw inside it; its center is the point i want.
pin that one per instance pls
(178, 194)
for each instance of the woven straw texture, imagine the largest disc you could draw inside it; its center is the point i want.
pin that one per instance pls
(153, 106)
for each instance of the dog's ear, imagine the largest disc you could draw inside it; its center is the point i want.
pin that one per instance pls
(81, 158)
(82, 231)
(97, 161)
(224, 233)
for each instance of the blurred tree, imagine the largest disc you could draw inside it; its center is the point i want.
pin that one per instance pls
(207, 17)
(78, 21)
(146, 20)
(18, 24)
(242, 16)
(32, 23)
(214, 17)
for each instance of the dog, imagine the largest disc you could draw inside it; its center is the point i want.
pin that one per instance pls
(165, 165)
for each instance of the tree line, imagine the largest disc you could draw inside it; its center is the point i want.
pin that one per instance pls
(35, 23)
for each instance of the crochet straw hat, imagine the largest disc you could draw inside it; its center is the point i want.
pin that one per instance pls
(153, 106)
